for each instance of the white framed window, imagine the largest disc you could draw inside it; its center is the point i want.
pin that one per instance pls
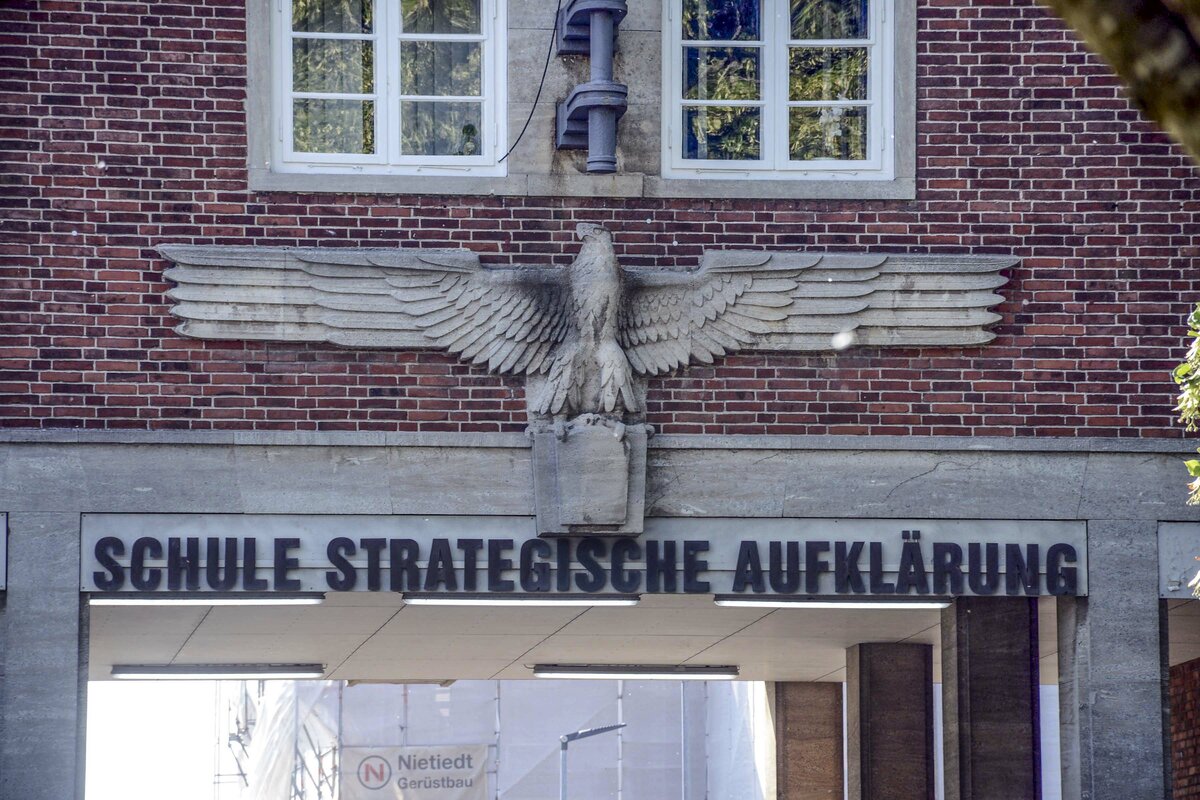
(402, 87)
(771, 89)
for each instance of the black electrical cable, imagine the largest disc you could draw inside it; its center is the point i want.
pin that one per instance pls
(541, 84)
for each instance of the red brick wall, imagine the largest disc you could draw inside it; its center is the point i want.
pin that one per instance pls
(122, 128)
(1185, 729)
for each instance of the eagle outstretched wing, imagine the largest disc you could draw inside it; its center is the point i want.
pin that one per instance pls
(762, 299)
(509, 319)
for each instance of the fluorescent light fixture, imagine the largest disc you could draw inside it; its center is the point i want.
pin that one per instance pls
(207, 599)
(873, 603)
(526, 599)
(217, 672)
(637, 672)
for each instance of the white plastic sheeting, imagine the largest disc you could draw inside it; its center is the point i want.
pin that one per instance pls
(293, 741)
(741, 741)
(682, 741)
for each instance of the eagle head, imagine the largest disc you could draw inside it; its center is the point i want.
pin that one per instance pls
(591, 232)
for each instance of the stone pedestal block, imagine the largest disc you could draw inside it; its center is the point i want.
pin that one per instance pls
(589, 476)
(808, 740)
(889, 709)
(990, 699)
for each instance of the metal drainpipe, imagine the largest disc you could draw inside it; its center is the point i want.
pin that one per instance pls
(602, 120)
(588, 117)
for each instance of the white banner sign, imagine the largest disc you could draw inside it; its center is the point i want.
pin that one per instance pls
(447, 772)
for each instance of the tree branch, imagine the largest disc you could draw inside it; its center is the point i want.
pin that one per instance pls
(1154, 46)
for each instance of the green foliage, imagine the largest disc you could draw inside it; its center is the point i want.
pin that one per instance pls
(1187, 378)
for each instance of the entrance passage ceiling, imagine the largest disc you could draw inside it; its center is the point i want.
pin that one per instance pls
(363, 636)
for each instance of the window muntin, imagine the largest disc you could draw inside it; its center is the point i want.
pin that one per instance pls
(390, 86)
(778, 88)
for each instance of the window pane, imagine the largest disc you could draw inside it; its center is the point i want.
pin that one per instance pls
(333, 65)
(828, 73)
(720, 19)
(833, 132)
(727, 133)
(333, 126)
(720, 73)
(829, 19)
(440, 68)
(332, 16)
(441, 129)
(440, 16)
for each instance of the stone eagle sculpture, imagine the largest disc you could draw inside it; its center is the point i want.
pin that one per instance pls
(586, 332)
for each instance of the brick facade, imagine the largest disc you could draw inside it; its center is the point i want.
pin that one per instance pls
(123, 128)
(1185, 730)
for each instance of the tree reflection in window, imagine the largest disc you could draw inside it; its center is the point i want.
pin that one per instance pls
(822, 53)
(336, 48)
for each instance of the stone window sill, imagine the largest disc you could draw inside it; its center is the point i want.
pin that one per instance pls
(581, 185)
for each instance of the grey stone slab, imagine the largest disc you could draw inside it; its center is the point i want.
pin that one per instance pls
(39, 477)
(526, 58)
(1176, 448)
(983, 444)
(1009, 485)
(644, 15)
(44, 642)
(687, 476)
(901, 188)
(290, 479)
(1113, 670)
(816, 483)
(696, 483)
(580, 184)
(435, 481)
(638, 64)
(258, 85)
(535, 151)
(638, 138)
(537, 14)
(262, 179)
(1178, 548)
(317, 438)
(148, 478)
(1153, 487)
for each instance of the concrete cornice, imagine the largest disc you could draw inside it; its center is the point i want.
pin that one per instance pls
(996, 444)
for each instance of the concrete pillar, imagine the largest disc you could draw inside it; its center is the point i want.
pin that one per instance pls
(43, 634)
(889, 711)
(808, 740)
(1113, 670)
(990, 699)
